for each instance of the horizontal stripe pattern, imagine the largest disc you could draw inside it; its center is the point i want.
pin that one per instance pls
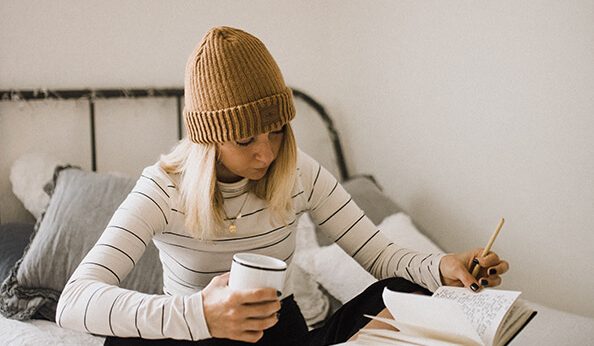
(150, 213)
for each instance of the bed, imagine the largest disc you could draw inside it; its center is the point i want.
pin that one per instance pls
(69, 157)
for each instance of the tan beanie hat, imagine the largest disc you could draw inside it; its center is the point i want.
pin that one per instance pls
(233, 89)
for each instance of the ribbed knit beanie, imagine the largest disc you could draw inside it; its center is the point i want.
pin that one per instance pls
(233, 89)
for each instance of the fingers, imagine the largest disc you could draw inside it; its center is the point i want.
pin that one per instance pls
(498, 269)
(491, 269)
(259, 310)
(492, 278)
(467, 279)
(490, 281)
(489, 260)
(257, 324)
(220, 280)
(250, 320)
(257, 295)
(238, 315)
(456, 269)
(257, 303)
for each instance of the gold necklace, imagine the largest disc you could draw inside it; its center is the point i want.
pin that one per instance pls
(232, 225)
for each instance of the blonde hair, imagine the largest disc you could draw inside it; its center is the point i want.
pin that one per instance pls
(202, 201)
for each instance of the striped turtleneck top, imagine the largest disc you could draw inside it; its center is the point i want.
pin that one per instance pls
(92, 301)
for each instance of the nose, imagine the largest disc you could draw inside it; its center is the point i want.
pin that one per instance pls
(264, 152)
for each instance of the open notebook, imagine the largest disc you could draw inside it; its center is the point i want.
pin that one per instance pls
(452, 316)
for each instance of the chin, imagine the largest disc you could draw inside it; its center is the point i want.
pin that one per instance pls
(259, 175)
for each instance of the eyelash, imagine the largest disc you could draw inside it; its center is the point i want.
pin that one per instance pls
(251, 140)
(246, 143)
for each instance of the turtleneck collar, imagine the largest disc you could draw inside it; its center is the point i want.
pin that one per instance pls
(230, 190)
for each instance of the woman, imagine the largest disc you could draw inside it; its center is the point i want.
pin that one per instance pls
(237, 183)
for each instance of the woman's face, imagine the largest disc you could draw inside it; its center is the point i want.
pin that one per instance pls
(248, 157)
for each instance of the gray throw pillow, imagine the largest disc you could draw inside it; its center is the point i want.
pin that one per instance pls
(14, 237)
(368, 196)
(80, 207)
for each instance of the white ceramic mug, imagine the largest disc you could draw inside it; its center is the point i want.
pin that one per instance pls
(249, 270)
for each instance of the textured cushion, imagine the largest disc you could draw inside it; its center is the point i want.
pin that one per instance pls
(313, 302)
(80, 207)
(14, 237)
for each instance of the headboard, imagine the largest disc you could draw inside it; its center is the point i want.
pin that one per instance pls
(122, 130)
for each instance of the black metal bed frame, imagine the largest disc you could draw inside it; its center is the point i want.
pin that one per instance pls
(91, 95)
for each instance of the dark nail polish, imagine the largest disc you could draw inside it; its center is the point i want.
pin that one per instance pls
(474, 287)
(492, 271)
(475, 261)
(277, 315)
(278, 293)
(484, 283)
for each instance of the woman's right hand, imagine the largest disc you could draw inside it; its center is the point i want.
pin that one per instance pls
(238, 315)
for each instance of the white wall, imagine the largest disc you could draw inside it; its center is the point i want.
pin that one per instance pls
(472, 112)
(464, 111)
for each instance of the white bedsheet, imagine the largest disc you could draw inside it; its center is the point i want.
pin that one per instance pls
(39, 332)
(555, 327)
(549, 327)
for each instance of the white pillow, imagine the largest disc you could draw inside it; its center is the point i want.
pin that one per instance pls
(28, 174)
(312, 302)
(306, 234)
(400, 228)
(341, 275)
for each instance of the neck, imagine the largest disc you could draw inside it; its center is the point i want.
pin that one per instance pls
(226, 176)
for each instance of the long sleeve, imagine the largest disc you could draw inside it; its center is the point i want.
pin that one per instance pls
(337, 215)
(92, 301)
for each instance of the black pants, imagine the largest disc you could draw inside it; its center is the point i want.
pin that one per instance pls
(291, 328)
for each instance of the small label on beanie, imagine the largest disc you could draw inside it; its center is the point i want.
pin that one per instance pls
(269, 114)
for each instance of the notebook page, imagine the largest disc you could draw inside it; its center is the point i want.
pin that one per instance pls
(485, 309)
(514, 322)
(411, 332)
(378, 337)
(441, 316)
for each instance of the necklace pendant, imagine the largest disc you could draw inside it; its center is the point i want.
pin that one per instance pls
(232, 228)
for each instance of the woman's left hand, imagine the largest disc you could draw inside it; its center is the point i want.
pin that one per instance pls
(455, 269)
